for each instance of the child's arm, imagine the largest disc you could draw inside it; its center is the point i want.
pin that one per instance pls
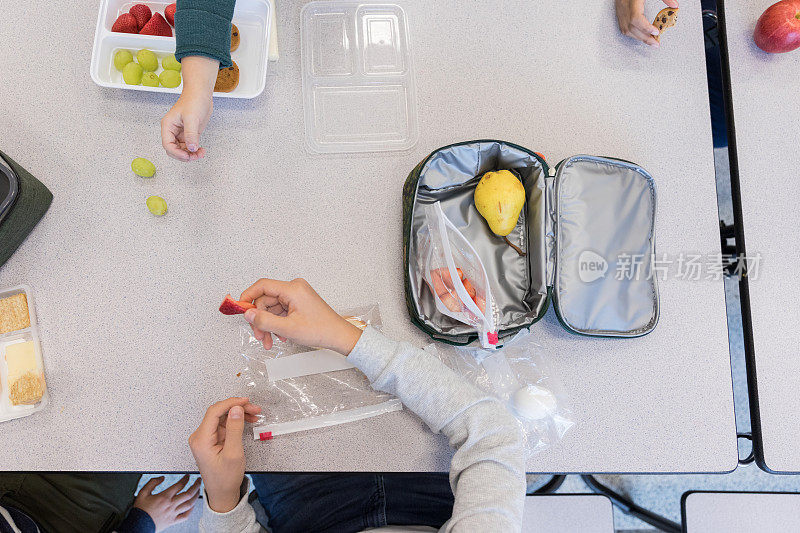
(218, 450)
(182, 125)
(203, 27)
(203, 43)
(487, 473)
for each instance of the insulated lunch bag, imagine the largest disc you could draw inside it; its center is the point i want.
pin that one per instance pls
(587, 231)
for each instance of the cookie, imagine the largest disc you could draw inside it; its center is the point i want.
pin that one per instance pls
(666, 18)
(14, 313)
(227, 79)
(27, 389)
(235, 39)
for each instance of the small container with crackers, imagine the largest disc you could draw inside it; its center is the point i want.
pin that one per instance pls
(23, 390)
(250, 48)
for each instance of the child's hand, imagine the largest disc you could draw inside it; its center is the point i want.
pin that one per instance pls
(633, 23)
(219, 453)
(182, 126)
(170, 506)
(293, 310)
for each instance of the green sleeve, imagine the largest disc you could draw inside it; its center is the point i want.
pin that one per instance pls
(203, 27)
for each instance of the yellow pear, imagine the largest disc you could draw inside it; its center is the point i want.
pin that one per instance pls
(499, 198)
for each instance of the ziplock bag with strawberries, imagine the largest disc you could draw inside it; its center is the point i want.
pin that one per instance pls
(455, 276)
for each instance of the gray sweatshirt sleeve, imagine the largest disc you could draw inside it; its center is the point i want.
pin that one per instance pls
(240, 519)
(487, 473)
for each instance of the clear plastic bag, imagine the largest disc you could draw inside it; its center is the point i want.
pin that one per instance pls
(455, 275)
(303, 393)
(518, 376)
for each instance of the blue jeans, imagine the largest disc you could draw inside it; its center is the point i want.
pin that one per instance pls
(353, 502)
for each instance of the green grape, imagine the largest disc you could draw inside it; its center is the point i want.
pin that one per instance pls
(147, 60)
(157, 205)
(170, 63)
(132, 73)
(122, 58)
(170, 78)
(150, 79)
(142, 167)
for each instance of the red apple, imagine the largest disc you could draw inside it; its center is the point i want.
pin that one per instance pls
(778, 28)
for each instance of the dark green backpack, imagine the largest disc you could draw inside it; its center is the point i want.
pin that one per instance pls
(23, 202)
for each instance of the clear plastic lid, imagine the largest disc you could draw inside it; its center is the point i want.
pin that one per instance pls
(358, 78)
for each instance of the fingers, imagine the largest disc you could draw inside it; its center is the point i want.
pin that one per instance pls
(651, 41)
(187, 505)
(250, 411)
(234, 428)
(150, 486)
(642, 30)
(189, 495)
(196, 156)
(268, 303)
(177, 487)
(264, 287)
(178, 135)
(257, 333)
(171, 129)
(640, 35)
(644, 25)
(191, 133)
(672, 3)
(208, 427)
(267, 342)
(267, 322)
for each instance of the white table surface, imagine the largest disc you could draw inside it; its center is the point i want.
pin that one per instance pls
(568, 513)
(135, 348)
(740, 512)
(766, 113)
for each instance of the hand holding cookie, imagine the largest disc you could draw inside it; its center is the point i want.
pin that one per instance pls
(634, 24)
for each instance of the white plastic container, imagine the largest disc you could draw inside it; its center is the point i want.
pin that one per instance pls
(358, 77)
(252, 17)
(7, 410)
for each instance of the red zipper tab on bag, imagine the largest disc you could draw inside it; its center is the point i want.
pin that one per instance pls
(265, 435)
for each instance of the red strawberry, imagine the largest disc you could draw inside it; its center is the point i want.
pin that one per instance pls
(125, 23)
(157, 26)
(169, 13)
(142, 14)
(230, 306)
